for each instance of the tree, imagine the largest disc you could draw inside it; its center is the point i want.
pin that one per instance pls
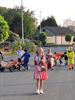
(4, 29)
(29, 45)
(29, 23)
(13, 36)
(42, 37)
(15, 25)
(13, 17)
(50, 21)
(68, 38)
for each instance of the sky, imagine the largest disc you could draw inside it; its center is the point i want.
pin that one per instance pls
(60, 9)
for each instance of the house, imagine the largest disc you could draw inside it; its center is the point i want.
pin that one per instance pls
(56, 35)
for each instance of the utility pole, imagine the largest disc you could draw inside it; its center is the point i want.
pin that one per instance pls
(22, 21)
(40, 21)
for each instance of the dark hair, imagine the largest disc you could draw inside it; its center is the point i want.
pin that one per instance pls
(37, 52)
(0, 52)
(25, 50)
(54, 52)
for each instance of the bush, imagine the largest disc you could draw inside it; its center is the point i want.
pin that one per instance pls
(42, 37)
(68, 38)
(29, 45)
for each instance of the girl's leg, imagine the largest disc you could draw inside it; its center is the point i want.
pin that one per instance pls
(69, 66)
(41, 86)
(49, 65)
(72, 66)
(38, 86)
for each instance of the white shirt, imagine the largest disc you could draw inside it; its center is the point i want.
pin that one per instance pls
(19, 53)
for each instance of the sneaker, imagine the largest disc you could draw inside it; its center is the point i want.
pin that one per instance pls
(51, 69)
(41, 91)
(37, 91)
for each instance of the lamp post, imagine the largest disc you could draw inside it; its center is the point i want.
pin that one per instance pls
(40, 26)
(22, 21)
(40, 21)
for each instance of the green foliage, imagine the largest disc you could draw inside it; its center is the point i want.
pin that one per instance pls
(50, 21)
(42, 37)
(29, 45)
(3, 10)
(4, 28)
(14, 19)
(29, 23)
(16, 44)
(13, 36)
(68, 38)
(37, 42)
(1, 37)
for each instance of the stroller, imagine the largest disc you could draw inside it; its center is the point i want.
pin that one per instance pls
(11, 65)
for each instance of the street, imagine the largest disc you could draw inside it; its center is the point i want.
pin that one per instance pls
(21, 85)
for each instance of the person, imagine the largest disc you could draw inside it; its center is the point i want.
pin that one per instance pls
(74, 47)
(70, 55)
(40, 70)
(20, 52)
(58, 58)
(1, 57)
(1, 61)
(26, 57)
(49, 59)
(55, 58)
(65, 58)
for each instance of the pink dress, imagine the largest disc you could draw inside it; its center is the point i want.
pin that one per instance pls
(42, 75)
(49, 59)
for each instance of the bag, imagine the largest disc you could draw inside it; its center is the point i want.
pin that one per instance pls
(39, 68)
(43, 68)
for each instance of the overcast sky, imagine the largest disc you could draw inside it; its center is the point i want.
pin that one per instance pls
(60, 9)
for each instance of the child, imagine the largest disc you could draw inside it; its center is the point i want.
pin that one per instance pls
(65, 58)
(70, 55)
(19, 55)
(1, 57)
(26, 57)
(40, 74)
(49, 59)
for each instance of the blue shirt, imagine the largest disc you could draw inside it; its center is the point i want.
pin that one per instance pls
(26, 56)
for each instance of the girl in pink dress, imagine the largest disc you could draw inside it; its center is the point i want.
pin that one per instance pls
(49, 59)
(40, 72)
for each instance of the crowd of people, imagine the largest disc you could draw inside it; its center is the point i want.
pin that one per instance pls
(44, 62)
(23, 58)
(58, 58)
(52, 59)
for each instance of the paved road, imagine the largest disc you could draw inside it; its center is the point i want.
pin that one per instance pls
(21, 86)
